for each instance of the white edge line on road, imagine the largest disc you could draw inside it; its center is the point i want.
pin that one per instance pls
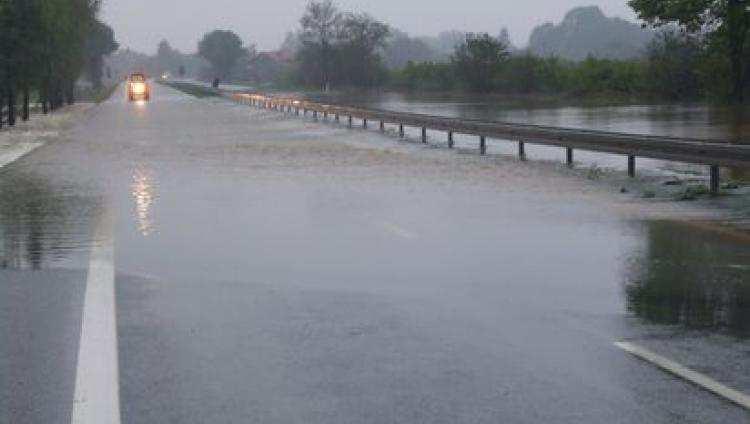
(17, 151)
(97, 389)
(685, 373)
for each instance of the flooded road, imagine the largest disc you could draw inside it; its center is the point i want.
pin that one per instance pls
(279, 270)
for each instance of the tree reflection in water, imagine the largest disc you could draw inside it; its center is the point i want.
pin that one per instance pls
(692, 277)
(40, 222)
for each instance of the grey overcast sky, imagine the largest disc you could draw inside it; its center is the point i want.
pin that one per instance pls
(141, 24)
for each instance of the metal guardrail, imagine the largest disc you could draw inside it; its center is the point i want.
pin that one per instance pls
(711, 153)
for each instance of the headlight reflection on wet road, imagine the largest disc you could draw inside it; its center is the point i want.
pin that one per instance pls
(142, 190)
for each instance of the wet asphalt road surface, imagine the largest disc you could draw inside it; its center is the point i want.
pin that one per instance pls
(275, 270)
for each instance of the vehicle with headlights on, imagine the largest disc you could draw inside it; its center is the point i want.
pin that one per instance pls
(138, 88)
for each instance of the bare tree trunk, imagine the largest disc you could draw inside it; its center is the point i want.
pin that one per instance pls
(737, 30)
(11, 108)
(43, 98)
(70, 93)
(26, 100)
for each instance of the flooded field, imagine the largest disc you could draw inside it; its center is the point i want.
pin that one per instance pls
(716, 123)
(720, 123)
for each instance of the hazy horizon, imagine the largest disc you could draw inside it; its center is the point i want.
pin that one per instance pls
(141, 24)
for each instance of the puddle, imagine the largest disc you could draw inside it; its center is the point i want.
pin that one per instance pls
(690, 277)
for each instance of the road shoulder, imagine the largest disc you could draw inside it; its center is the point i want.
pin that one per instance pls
(24, 138)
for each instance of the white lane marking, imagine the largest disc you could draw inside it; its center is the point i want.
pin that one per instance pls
(17, 151)
(398, 231)
(685, 373)
(97, 392)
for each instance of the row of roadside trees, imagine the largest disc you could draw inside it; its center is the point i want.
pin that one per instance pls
(45, 47)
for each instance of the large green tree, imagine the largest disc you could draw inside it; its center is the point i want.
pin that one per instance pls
(319, 36)
(362, 38)
(100, 43)
(478, 59)
(43, 48)
(223, 49)
(725, 22)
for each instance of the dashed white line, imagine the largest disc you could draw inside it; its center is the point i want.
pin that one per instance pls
(685, 373)
(97, 390)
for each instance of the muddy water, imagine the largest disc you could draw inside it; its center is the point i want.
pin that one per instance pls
(296, 271)
(691, 121)
(690, 276)
(717, 123)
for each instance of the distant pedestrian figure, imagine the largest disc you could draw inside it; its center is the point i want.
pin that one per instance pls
(216, 83)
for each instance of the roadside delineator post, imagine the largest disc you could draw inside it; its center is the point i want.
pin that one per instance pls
(364, 123)
(424, 135)
(631, 166)
(350, 121)
(450, 139)
(521, 150)
(382, 126)
(482, 145)
(401, 130)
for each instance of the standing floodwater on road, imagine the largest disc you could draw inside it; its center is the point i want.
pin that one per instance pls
(411, 221)
(276, 269)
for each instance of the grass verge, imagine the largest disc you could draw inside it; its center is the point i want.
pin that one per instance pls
(192, 89)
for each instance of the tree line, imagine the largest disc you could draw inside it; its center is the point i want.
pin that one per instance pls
(700, 51)
(45, 47)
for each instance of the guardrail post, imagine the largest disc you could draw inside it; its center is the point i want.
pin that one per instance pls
(569, 156)
(364, 123)
(521, 150)
(631, 166)
(715, 180)
(482, 145)
(401, 130)
(350, 121)
(424, 135)
(382, 126)
(450, 139)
